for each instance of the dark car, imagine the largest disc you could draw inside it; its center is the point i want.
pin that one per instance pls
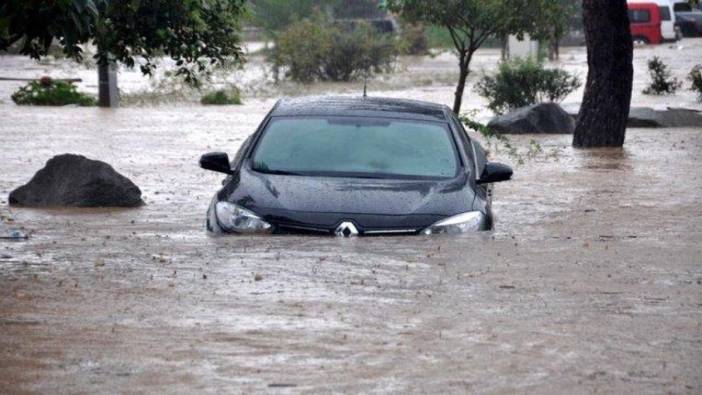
(355, 166)
(690, 23)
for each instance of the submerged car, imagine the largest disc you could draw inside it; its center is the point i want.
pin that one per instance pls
(355, 166)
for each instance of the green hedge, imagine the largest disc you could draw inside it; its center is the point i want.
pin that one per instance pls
(48, 92)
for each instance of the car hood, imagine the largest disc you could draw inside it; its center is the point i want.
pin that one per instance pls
(368, 202)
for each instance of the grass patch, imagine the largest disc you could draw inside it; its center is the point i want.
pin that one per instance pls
(48, 92)
(221, 98)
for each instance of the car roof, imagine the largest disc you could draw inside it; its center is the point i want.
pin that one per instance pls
(360, 106)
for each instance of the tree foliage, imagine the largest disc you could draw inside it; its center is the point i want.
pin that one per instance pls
(319, 50)
(277, 15)
(662, 82)
(695, 78)
(471, 22)
(556, 17)
(356, 8)
(195, 33)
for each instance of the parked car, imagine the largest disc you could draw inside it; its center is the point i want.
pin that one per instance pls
(690, 23)
(645, 20)
(681, 6)
(352, 166)
(669, 29)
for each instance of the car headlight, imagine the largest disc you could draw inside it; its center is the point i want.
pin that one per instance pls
(233, 218)
(462, 223)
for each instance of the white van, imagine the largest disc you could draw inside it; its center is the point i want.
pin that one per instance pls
(667, 9)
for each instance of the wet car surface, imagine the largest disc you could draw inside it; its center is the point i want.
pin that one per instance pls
(427, 175)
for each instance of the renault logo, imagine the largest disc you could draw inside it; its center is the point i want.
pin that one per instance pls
(346, 229)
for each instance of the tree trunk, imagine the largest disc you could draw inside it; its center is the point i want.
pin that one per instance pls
(605, 109)
(464, 66)
(108, 94)
(554, 50)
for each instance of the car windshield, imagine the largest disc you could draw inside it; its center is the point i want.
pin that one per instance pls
(356, 147)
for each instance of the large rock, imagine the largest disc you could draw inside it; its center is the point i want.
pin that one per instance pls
(538, 118)
(76, 181)
(646, 117)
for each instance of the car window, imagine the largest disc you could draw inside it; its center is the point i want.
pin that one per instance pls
(639, 16)
(665, 13)
(473, 149)
(354, 146)
(682, 7)
(236, 162)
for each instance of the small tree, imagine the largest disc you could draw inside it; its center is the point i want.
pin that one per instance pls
(695, 78)
(316, 49)
(556, 19)
(662, 83)
(195, 33)
(470, 23)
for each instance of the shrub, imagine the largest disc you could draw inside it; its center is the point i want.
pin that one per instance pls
(316, 50)
(414, 40)
(222, 97)
(522, 82)
(662, 83)
(696, 78)
(49, 92)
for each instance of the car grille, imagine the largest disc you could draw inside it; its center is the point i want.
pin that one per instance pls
(311, 230)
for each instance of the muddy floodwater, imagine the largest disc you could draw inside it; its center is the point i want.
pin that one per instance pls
(591, 282)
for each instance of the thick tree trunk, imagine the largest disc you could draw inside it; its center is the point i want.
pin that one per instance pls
(605, 109)
(108, 94)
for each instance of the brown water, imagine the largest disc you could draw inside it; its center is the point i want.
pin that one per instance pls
(591, 283)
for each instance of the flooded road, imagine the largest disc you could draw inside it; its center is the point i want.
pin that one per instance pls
(592, 281)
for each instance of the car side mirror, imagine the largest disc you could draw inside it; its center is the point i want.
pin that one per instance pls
(216, 161)
(495, 172)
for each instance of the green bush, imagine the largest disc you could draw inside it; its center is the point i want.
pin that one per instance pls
(523, 82)
(222, 97)
(317, 50)
(48, 92)
(661, 81)
(695, 78)
(414, 40)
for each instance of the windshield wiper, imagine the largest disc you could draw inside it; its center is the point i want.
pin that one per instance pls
(279, 172)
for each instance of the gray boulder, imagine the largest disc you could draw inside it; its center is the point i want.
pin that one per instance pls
(76, 181)
(538, 118)
(646, 117)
